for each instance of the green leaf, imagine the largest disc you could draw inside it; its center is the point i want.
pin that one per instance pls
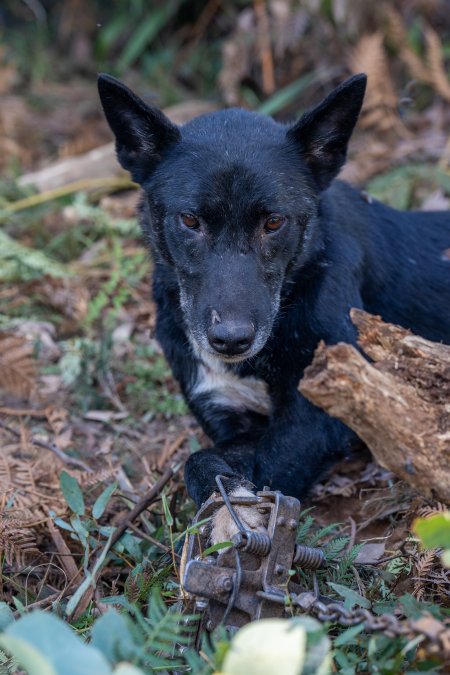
(216, 547)
(76, 597)
(72, 493)
(63, 525)
(146, 31)
(45, 645)
(21, 262)
(318, 656)
(414, 609)
(80, 530)
(102, 501)
(351, 597)
(90, 579)
(28, 656)
(19, 605)
(131, 545)
(167, 514)
(288, 94)
(6, 616)
(348, 635)
(194, 528)
(434, 532)
(112, 634)
(267, 646)
(446, 558)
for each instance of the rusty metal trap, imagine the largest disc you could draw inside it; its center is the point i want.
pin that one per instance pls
(251, 579)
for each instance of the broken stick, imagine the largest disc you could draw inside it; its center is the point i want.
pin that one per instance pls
(399, 405)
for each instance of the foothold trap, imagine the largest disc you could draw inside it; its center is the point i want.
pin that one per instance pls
(251, 579)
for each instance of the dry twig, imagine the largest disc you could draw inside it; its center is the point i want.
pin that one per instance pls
(143, 504)
(53, 448)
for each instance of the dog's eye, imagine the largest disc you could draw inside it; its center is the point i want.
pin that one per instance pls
(274, 222)
(189, 221)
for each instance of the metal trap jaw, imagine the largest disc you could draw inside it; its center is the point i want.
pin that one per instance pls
(252, 578)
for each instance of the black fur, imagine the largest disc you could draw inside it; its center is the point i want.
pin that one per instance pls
(234, 297)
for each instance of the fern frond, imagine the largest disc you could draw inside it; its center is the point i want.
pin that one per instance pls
(18, 368)
(304, 528)
(435, 60)
(322, 534)
(422, 568)
(430, 510)
(163, 627)
(345, 563)
(431, 71)
(29, 482)
(22, 262)
(67, 295)
(8, 665)
(335, 546)
(380, 104)
(16, 542)
(399, 35)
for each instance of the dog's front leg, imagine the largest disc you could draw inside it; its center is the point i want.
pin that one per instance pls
(301, 443)
(236, 462)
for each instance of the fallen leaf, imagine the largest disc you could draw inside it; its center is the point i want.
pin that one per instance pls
(370, 554)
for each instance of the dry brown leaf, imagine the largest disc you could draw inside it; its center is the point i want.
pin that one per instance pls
(380, 103)
(237, 57)
(67, 295)
(398, 33)
(431, 72)
(90, 479)
(58, 419)
(428, 510)
(29, 478)
(16, 542)
(435, 59)
(18, 368)
(370, 553)
(422, 567)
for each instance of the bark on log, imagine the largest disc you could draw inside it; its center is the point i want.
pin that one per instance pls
(399, 405)
(101, 162)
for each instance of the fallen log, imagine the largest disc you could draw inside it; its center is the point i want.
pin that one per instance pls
(399, 404)
(101, 162)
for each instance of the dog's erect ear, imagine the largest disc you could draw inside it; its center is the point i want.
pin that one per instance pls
(324, 132)
(142, 132)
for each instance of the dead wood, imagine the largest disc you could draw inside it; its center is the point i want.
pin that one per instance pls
(399, 405)
(101, 162)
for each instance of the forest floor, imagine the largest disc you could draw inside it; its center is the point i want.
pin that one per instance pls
(82, 379)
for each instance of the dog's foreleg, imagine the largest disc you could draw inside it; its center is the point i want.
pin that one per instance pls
(301, 443)
(236, 463)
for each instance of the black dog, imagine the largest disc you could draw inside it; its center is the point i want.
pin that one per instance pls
(259, 255)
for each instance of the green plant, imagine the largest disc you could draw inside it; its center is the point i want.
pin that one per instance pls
(150, 385)
(434, 532)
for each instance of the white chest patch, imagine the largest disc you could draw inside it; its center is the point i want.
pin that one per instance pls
(230, 390)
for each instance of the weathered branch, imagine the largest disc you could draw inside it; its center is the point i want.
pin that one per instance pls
(399, 405)
(101, 162)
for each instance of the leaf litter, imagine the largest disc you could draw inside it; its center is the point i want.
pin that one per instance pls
(81, 373)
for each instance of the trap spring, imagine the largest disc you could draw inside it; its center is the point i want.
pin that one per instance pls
(249, 580)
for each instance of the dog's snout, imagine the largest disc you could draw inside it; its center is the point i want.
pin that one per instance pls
(231, 337)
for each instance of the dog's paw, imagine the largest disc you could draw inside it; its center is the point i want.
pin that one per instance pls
(223, 525)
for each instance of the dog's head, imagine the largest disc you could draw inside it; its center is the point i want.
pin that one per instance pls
(231, 203)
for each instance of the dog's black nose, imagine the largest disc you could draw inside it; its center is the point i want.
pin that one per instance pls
(231, 337)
